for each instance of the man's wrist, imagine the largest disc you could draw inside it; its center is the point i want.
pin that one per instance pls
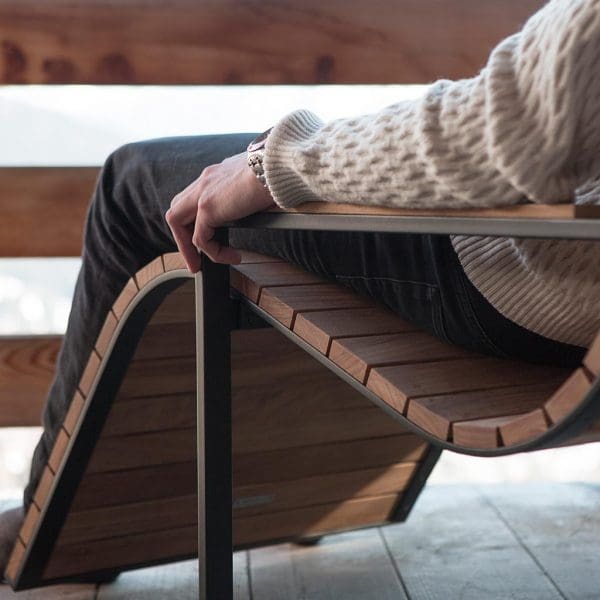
(255, 156)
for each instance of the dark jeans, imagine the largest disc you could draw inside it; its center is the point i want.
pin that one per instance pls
(417, 276)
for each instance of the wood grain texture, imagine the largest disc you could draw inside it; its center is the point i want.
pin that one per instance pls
(26, 371)
(128, 293)
(522, 211)
(436, 414)
(319, 328)
(523, 428)
(336, 487)
(397, 384)
(323, 459)
(58, 450)
(89, 373)
(74, 412)
(215, 43)
(568, 396)
(480, 433)
(43, 488)
(29, 524)
(137, 517)
(152, 270)
(173, 261)
(284, 303)
(592, 358)
(250, 278)
(357, 355)
(105, 335)
(143, 450)
(120, 552)
(145, 483)
(57, 197)
(154, 413)
(313, 520)
(15, 560)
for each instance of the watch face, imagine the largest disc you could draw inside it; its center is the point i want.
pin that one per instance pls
(259, 142)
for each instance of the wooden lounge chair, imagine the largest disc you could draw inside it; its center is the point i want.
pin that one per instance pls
(119, 489)
(310, 456)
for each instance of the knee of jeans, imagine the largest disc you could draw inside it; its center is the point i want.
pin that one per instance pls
(128, 164)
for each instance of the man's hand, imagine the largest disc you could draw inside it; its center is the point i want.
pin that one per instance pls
(224, 192)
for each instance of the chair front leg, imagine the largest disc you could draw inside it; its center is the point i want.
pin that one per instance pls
(213, 327)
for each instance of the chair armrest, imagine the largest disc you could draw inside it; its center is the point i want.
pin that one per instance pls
(565, 221)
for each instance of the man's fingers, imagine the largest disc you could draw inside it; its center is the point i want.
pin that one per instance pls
(203, 239)
(183, 239)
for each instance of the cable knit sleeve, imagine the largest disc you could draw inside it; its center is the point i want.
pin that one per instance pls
(527, 127)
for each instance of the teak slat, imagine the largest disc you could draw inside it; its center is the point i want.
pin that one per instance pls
(167, 340)
(319, 328)
(436, 414)
(395, 385)
(521, 211)
(143, 450)
(249, 257)
(250, 278)
(135, 518)
(124, 487)
(106, 333)
(152, 270)
(16, 559)
(323, 459)
(273, 497)
(178, 307)
(29, 524)
(359, 354)
(313, 520)
(89, 373)
(159, 376)
(122, 551)
(43, 488)
(173, 261)
(568, 396)
(127, 294)
(284, 303)
(74, 412)
(215, 42)
(480, 433)
(58, 450)
(157, 413)
(524, 427)
(592, 358)
(26, 371)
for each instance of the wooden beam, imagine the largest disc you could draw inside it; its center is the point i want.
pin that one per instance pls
(26, 371)
(43, 209)
(247, 41)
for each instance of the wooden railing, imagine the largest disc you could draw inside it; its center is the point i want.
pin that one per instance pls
(203, 42)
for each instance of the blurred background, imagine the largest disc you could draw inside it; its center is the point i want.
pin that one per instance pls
(81, 125)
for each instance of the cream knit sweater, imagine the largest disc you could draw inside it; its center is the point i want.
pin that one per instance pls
(525, 129)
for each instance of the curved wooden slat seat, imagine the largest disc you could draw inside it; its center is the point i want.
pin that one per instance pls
(454, 398)
(119, 490)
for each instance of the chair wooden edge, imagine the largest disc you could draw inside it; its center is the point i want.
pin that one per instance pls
(163, 272)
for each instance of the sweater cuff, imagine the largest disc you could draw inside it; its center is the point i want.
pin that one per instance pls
(285, 140)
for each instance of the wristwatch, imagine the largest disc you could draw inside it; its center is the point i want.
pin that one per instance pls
(256, 154)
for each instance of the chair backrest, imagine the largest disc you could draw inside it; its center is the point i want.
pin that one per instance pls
(218, 43)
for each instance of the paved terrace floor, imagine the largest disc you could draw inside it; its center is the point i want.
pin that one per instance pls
(533, 541)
